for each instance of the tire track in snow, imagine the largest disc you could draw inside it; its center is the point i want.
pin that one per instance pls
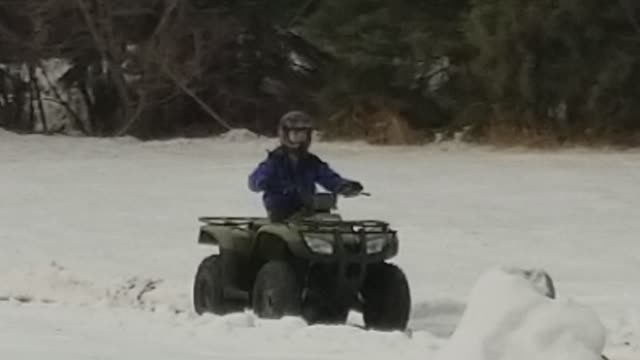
(56, 284)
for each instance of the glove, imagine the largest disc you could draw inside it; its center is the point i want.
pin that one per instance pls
(350, 188)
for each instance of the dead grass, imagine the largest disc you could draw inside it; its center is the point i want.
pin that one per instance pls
(381, 125)
(502, 135)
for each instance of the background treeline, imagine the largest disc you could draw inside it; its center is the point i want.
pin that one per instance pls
(402, 71)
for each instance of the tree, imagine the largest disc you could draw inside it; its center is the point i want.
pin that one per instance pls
(390, 53)
(562, 65)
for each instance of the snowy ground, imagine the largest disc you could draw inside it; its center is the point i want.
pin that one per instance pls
(98, 243)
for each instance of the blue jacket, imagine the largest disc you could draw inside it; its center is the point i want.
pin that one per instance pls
(288, 187)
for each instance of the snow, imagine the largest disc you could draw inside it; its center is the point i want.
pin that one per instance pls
(98, 240)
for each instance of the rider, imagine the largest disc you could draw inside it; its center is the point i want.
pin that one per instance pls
(289, 175)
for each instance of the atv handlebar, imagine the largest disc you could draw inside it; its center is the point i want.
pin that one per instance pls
(361, 193)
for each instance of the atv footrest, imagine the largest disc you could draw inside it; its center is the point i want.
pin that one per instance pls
(232, 293)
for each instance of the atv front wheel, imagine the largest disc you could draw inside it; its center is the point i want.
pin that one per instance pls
(276, 292)
(208, 288)
(387, 299)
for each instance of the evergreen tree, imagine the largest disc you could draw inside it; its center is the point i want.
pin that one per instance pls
(565, 65)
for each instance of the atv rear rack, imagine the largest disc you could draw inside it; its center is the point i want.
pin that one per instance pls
(232, 220)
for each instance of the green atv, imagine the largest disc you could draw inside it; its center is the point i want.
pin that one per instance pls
(318, 266)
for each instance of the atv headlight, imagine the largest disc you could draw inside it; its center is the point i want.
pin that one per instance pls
(319, 243)
(376, 243)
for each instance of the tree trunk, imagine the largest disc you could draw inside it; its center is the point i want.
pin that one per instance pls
(43, 116)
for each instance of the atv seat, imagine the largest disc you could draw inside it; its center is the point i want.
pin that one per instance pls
(324, 202)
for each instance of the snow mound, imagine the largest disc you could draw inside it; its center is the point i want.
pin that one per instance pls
(239, 136)
(509, 317)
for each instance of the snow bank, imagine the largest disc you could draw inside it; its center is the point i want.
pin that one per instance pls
(509, 317)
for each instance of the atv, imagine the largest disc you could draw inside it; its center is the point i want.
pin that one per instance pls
(318, 267)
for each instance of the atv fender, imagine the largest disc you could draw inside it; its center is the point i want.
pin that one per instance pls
(281, 233)
(225, 237)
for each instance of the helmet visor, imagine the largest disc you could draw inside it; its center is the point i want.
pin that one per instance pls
(299, 136)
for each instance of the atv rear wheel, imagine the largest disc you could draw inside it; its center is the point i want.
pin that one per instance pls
(208, 288)
(387, 299)
(276, 291)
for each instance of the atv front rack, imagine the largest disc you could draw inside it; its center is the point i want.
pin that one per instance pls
(307, 225)
(367, 226)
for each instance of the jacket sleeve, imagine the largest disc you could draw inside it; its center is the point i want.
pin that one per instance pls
(328, 178)
(259, 178)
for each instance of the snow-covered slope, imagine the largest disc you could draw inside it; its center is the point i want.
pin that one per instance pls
(98, 242)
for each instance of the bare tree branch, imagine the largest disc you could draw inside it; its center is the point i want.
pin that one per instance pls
(152, 43)
(78, 122)
(628, 9)
(107, 52)
(301, 12)
(219, 119)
